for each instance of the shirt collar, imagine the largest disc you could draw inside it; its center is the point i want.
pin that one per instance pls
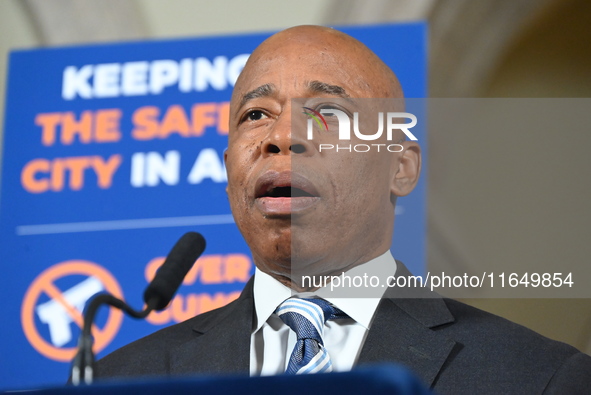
(359, 303)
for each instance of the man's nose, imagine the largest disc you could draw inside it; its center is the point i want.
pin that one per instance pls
(282, 141)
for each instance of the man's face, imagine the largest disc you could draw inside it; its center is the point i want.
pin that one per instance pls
(302, 211)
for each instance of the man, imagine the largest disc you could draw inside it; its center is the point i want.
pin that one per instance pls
(304, 212)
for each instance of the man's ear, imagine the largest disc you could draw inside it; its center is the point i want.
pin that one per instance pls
(406, 175)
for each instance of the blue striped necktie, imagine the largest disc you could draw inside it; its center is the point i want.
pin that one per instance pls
(306, 317)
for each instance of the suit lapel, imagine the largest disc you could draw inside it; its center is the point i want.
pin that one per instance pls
(402, 332)
(222, 343)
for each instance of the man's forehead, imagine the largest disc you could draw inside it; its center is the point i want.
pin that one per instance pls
(308, 61)
(313, 87)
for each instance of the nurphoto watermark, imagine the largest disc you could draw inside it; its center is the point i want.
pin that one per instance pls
(357, 126)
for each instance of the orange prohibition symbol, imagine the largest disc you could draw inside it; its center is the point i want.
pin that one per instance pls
(65, 307)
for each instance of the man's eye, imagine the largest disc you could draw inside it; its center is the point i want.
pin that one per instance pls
(255, 115)
(327, 110)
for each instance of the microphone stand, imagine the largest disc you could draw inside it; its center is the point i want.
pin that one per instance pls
(83, 364)
(157, 295)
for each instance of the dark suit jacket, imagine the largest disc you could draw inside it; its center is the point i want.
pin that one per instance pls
(452, 347)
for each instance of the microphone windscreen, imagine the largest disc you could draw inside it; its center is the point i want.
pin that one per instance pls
(174, 269)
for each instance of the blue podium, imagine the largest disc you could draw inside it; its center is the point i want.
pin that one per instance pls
(380, 379)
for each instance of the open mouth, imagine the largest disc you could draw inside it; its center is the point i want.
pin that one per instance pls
(286, 192)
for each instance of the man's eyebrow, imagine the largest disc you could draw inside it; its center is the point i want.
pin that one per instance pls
(323, 87)
(261, 91)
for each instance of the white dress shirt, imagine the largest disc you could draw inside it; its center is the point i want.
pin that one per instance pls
(272, 341)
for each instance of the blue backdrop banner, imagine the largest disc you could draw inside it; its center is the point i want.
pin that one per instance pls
(111, 153)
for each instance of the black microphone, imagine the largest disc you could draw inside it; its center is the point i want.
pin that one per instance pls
(174, 269)
(157, 295)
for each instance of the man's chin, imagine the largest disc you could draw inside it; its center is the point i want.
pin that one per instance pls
(296, 282)
(292, 267)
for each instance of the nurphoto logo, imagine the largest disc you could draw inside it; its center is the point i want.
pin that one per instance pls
(392, 120)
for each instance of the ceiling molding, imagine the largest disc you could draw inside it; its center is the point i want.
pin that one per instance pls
(60, 22)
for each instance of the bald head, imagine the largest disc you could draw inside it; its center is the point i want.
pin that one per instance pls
(313, 48)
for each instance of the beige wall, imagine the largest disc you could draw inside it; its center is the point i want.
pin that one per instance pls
(190, 17)
(549, 57)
